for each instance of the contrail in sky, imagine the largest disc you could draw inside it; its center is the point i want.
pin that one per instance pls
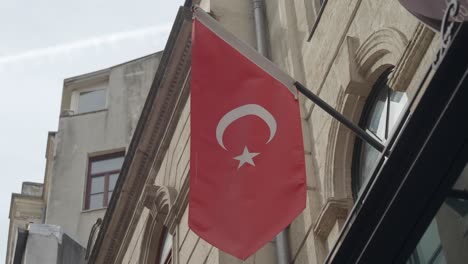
(86, 43)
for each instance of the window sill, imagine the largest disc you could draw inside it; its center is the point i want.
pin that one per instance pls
(67, 114)
(84, 211)
(319, 15)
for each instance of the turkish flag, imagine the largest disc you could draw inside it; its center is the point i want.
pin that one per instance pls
(247, 172)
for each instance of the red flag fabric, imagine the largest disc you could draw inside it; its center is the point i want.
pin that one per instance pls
(247, 172)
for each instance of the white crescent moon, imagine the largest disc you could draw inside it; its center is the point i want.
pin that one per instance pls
(241, 111)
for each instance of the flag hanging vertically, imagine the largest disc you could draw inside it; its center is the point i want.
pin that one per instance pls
(247, 172)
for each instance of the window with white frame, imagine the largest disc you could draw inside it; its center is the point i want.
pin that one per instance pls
(93, 100)
(89, 99)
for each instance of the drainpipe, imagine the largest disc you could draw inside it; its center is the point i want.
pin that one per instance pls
(260, 28)
(282, 245)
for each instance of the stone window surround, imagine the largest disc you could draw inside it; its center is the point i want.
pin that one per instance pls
(75, 98)
(163, 203)
(361, 65)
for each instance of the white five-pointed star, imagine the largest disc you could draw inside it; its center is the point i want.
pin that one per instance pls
(246, 157)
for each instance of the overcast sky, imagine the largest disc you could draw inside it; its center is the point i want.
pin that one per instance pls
(44, 42)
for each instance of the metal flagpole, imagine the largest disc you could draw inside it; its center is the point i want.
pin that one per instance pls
(338, 116)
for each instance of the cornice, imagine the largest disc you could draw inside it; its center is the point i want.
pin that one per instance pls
(332, 211)
(158, 120)
(411, 59)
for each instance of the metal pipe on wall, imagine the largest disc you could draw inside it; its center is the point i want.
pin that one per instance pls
(282, 247)
(282, 244)
(260, 27)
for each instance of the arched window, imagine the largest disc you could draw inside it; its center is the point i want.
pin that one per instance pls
(156, 244)
(165, 249)
(380, 114)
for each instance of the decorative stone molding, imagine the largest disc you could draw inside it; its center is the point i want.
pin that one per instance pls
(359, 67)
(339, 151)
(411, 58)
(163, 201)
(383, 47)
(177, 210)
(149, 195)
(159, 199)
(151, 239)
(332, 211)
(347, 65)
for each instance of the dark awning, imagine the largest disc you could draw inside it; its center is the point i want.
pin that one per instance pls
(431, 12)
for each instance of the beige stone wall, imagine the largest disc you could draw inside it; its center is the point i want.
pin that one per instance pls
(351, 46)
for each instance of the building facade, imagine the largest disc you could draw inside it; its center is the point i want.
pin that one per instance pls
(98, 116)
(370, 60)
(374, 63)
(26, 208)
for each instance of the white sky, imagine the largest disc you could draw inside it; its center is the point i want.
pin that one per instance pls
(44, 42)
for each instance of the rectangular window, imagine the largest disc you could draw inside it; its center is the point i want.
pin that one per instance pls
(103, 172)
(90, 101)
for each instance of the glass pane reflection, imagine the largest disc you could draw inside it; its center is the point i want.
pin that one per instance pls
(378, 115)
(106, 165)
(387, 107)
(368, 161)
(446, 238)
(92, 101)
(96, 201)
(398, 101)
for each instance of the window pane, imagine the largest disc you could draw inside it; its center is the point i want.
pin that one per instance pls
(446, 238)
(96, 201)
(109, 197)
(378, 114)
(97, 184)
(369, 156)
(112, 181)
(92, 101)
(397, 103)
(106, 165)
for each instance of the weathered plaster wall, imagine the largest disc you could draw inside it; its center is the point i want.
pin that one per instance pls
(80, 135)
(48, 244)
(43, 244)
